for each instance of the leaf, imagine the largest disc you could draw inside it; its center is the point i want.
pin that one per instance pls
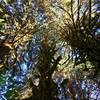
(1, 66)
(5, 1)
(2, 20)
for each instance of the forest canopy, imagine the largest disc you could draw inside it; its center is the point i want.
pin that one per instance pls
(48, 45)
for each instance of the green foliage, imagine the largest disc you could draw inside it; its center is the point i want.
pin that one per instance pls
(80, 33)
(74, 27)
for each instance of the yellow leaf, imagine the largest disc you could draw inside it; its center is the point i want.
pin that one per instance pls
(1, 20)
(5, 1)
(1, 65)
